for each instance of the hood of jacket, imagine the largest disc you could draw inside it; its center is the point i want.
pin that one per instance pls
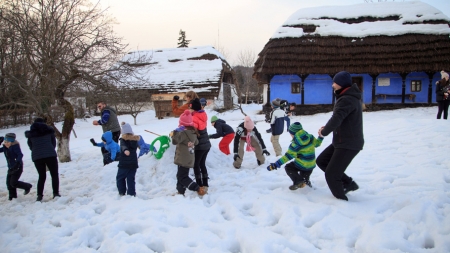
(108, 137)
(39, 129)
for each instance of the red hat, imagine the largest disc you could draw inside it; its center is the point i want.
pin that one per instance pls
(186, 119)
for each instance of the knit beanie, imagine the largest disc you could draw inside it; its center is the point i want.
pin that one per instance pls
(214, 119)
(276, 102)
(294, 128)
(444, 74)
(248, 123)
(203, 101)
(343, 78)
(126, 128)
(196, 105)
(186, 119)
(11, 137)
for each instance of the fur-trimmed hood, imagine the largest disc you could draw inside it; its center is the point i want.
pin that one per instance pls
(130, 137)
(39, 129)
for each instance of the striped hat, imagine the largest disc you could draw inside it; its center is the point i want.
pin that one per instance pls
(294, 128)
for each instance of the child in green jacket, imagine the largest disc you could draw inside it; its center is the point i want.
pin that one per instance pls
(302, 150)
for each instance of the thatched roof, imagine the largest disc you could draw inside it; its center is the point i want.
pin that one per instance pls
(201, 69)
(398, 37)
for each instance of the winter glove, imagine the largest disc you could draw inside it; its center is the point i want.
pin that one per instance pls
(273, 166)
(236, 156)
(2, 139)
(265, 152)
(176, 97)
(93, 142)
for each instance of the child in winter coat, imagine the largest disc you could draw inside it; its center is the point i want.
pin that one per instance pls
(144, 147)
(247, 134)
(222, 130)
(185, 138)
(110, 145)
(13, 155)
(128, 161)
(302, 149)
(277, 118)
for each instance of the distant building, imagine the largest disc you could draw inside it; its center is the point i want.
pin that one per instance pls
(178, 70)
(393, 50)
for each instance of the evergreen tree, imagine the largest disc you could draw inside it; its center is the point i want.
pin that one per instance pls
(182, 41)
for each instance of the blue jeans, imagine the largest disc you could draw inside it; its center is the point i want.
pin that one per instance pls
(126, 177)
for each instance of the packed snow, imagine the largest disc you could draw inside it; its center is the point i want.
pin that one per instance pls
(413, 18)
(403, 203)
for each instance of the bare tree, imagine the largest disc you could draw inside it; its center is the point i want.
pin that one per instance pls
(132, 101)
(245, 61)
(58, 44)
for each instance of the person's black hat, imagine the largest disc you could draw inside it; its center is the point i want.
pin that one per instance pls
(196, 105)
(343, 78)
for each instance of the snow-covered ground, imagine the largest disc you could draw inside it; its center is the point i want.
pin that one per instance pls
(403, 204)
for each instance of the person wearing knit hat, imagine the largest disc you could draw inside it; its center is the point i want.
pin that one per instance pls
(200, 120)
(247, 136)
(346, 124)
(276, 120)
(128, 161)
(442, 95)
(185, 137)
(144, 148)
(222, 130)
(13, 156)
(302, 150)
(203, 102)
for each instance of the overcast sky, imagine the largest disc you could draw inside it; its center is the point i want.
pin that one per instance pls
(232, 26)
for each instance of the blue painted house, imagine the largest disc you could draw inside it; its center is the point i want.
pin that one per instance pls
(393, 50)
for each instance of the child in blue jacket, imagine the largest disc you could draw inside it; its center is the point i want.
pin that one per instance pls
(13, 155)
(110, 145)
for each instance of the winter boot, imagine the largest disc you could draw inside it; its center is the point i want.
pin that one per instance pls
(201, 191)
(352, 186)
(27, 190)
(295, 186)
(56, 195)
(258, 162)
(39, 198)
(305, 176)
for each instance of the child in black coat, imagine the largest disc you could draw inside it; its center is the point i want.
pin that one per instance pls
(13, 155)
(128, 162)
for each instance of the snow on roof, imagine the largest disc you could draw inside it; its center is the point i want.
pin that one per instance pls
(395, 18)
(178, 69)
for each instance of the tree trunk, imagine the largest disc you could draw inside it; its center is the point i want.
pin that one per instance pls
(63, 149)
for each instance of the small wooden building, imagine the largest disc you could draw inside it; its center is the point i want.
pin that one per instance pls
(393, 50)
(165, 72)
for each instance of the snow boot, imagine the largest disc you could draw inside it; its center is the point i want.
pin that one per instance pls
(27, 190)
(39, 198)
(201, 191)
(56, 195)
(350, 187)
(297, 185)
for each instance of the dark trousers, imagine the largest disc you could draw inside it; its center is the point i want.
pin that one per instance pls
(107, 158)
(41, 165)
(12, 183)
(334, 162)
(200, 171)
(443, 108)
(297, 176)
(124, 178)
(184, 181)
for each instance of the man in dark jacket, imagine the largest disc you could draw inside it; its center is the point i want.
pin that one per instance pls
(347, 126)
(109, 122)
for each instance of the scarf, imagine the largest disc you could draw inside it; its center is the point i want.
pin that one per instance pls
(249, 147)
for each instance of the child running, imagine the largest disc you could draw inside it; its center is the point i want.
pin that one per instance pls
(302, 149)
(222, 130)
(13, 155)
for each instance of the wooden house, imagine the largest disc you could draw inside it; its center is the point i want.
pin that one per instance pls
(393, 50)
(164, 73)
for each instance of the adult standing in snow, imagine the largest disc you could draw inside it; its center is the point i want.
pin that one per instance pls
(109, 122)
(178, 110)
(200, 120)
(42, 143)
(442, 98)
(346, 123)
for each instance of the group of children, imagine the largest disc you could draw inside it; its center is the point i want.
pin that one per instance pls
(185, 137)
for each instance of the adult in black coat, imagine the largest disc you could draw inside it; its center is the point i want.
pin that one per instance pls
(347, 126)
(442, 92)
(42, 143)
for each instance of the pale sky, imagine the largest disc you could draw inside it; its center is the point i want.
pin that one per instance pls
(232, 26)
